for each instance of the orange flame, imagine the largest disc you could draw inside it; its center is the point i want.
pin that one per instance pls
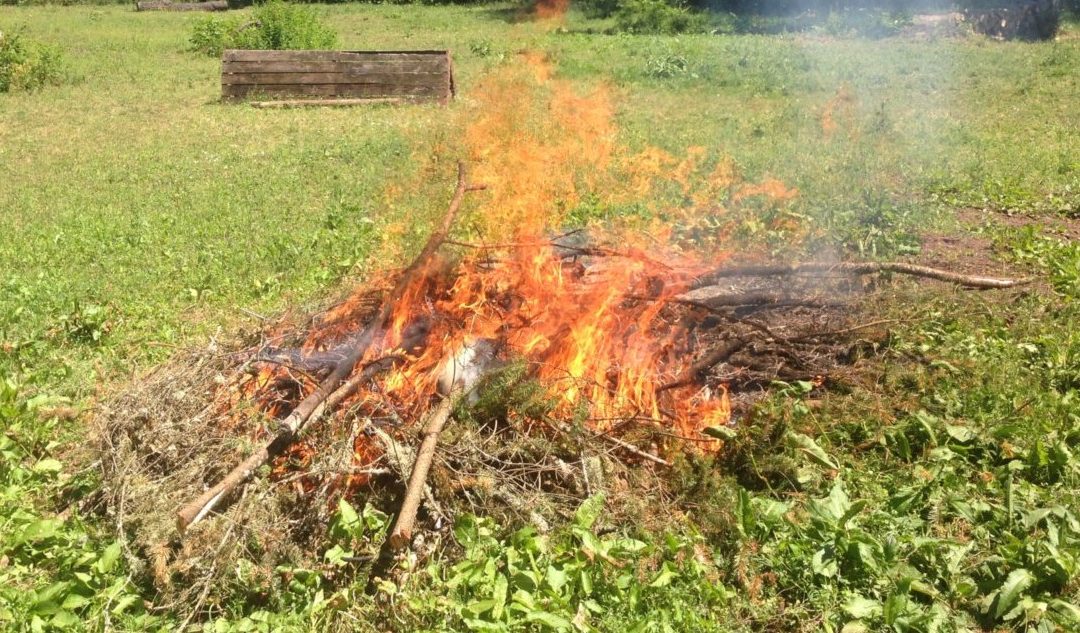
(597, 331)
(552, 9)
(598, 337)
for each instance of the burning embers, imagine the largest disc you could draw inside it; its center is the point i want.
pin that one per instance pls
(590, 325)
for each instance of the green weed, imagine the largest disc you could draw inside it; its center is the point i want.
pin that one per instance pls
(656, 17)
(276, 25)
(1058, 258)
(27, 65)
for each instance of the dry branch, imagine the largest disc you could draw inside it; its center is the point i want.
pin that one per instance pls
(855, 268)
(698, 370)
(315, 403)
(195, 511)
(633, 450)
(720, 297)
(401, 534)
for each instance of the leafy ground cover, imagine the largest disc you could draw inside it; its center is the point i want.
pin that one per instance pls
(142, 216)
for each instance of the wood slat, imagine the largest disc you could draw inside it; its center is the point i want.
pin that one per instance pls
(335, 90)
(390, 79)
(233, 55)
(434, 65)
(312, 102)
(424, 75)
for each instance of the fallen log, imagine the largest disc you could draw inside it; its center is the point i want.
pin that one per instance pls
(315, 403)
(855, 268)
(166, 5)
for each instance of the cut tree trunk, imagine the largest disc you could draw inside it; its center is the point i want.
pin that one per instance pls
(165, 5)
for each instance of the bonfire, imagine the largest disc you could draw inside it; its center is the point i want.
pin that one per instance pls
(557, 360)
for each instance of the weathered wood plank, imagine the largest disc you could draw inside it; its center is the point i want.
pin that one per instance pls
(336, 102)
(236, 55)
(338, 74)
(435, 65)
(390, 79)
(165, 5)
(334, 90)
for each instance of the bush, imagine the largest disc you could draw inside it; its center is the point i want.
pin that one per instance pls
(656, 17)
(600, 8)
(26, 65)
(275, 25)
(870, 23)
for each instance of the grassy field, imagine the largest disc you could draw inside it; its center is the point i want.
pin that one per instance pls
(142, 216)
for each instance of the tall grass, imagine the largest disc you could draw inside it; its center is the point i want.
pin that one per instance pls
(276, 25)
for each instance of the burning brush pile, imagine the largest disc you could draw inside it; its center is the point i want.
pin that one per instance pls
(514, 374)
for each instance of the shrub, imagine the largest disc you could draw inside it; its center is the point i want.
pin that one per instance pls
(275, 25)
(26, 65)
(656, 17)
(866, 23)
(211, 35)
(598, 8)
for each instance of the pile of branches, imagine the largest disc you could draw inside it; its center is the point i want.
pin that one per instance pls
(191, 494)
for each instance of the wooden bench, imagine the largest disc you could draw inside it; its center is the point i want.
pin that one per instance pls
(337, 76)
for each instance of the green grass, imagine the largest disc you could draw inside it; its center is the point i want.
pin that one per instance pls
(141, 215)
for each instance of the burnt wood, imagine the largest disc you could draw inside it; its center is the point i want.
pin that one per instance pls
(408, 75)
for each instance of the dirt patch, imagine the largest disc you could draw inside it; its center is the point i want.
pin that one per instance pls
(1065, 227)
(962, 252)
(968, 251)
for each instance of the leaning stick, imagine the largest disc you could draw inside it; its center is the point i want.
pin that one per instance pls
(401, 534)
(856, 268)
(317, 400)
(196, 510)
